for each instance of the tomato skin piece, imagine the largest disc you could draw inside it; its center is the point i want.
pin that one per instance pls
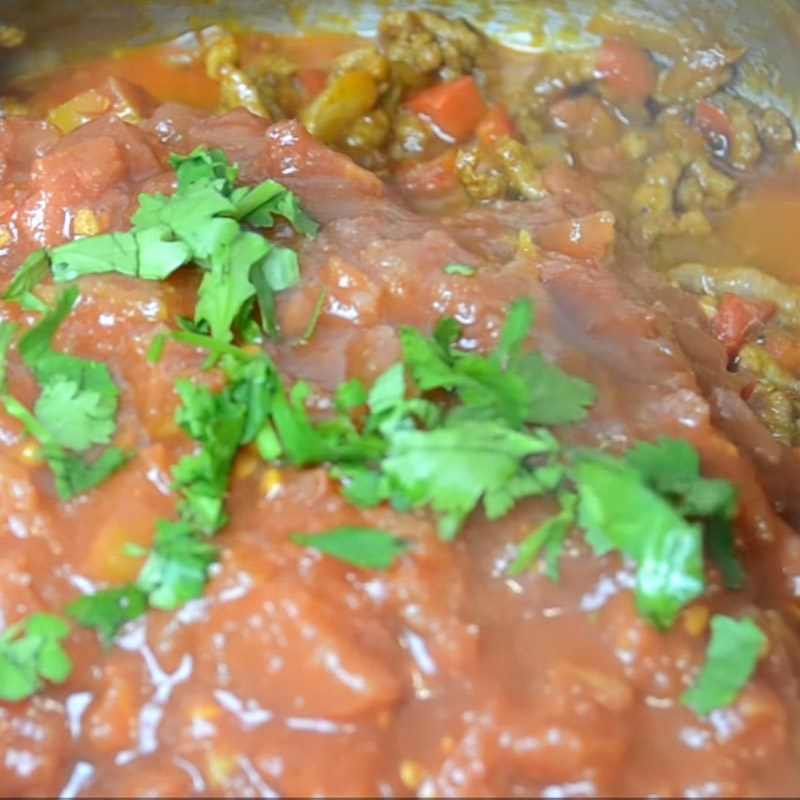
(626, 71)
(738, 318)
(455, 107)
(495, 126)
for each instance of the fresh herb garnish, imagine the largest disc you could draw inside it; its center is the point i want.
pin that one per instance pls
(733, 652)
(108, 610)
(206, 222)
(76, 408)
(619, 512)
(459, 269)
(549, 536)
(30, 653)
(32, 272)
(362, 547)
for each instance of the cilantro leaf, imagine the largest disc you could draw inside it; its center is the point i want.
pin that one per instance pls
(30, 652)
(313, 320)
(204, 166)
(227, 287)
(72, 474)
(515, 331)
(78, 401)
(733, 652)
(507, 384)
(75, 410)
(76, 418)
(619, 511)
(672, 467)
(550, 536)
(109, 252)
(362, 547)
(258, 205)
(554, 397)
(177, 566)
(221, 422)
(32, 272)
(390, 409)
(38, 341)
(459, 269)
(108, 610)
(452, 468)
(334, 440)
(206, 221)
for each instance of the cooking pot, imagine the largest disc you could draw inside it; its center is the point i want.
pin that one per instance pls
(81, 29)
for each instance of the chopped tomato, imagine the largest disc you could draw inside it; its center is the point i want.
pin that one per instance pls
(455, 107)
(738, 318)
(434, 178)
(586, 238)
(626, 71)
(496, 126)
(311, 80)
(714, 124)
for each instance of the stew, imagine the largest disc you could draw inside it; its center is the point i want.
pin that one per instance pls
(399, 417)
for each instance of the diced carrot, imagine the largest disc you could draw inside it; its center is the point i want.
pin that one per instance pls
(626, 70)
(311, 80)
(434, 178)
(455, 107)
(496, 125)
(738, 318)
(586, 238)
(714, 124)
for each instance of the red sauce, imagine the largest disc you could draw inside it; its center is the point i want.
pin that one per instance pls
(297, 675)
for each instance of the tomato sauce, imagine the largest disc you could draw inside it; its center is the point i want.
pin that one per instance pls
(295, 674)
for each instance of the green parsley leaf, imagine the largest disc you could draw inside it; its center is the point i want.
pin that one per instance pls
(362, 547)
(619, 511)
(8, 330)
(459, 269)
(733, 652)
(550, 536)
(32, 272)
(109, 609)
(31, 652)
